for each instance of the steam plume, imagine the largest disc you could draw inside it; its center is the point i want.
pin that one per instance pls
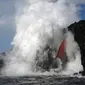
(37, 23)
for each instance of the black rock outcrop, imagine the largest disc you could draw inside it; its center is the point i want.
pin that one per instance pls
(2, 59)
(78, 29)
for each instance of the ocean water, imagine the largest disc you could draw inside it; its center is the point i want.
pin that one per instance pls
(42, 80)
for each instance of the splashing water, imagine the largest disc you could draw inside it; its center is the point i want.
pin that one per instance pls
(38, 23)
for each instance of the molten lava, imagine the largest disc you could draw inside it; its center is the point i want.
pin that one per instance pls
(61, 49)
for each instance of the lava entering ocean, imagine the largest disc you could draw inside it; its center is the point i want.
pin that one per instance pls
(39, 31)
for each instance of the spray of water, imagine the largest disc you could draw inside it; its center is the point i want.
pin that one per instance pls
(74, 56)
(38, 23)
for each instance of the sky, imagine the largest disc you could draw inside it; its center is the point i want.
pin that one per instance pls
(82, 12)
(7, 24)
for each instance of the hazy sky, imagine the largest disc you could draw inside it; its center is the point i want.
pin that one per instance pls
(7, 26)
(7, 10)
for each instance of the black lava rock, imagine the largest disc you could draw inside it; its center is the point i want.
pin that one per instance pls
(78, 29)
(2, 59)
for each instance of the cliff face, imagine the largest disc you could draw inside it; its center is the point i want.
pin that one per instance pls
(78, 29)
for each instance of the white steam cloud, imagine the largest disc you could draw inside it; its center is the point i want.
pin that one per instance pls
(37, 23)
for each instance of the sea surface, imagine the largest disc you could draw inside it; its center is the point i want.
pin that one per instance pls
(42, 80)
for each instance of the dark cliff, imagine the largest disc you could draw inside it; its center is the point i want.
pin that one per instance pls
(78, 29)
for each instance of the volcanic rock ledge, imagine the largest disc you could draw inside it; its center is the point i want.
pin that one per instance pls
(78, 29)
